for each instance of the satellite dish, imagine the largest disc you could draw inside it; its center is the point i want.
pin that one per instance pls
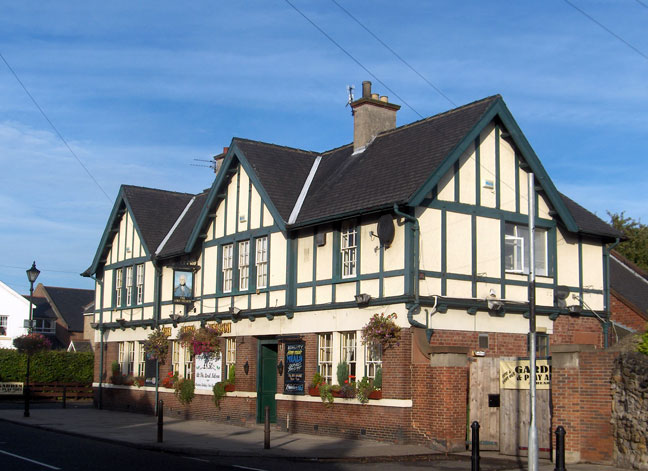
(386, 230)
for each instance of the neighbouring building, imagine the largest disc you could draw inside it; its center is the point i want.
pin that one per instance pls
(14, 311)
(290, 253)
(628, 296)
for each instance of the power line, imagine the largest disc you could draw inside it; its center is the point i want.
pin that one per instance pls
(54, 127)
(41, 269)
(437, 89)
(641, 3)
(607, 29)
(352, 58)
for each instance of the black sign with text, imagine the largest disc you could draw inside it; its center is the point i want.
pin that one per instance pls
(294, 370)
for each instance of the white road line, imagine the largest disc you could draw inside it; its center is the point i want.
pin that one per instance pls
(196, 459)
(27, 459)
(245, 467)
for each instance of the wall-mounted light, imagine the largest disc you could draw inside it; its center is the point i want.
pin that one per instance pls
(246, 367)
(175, 318)
(363, 298)
(280, 368)
(575, 309)
(235, 311)
(122, 323)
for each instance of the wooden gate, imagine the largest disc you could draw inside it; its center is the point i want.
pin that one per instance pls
(503, 415)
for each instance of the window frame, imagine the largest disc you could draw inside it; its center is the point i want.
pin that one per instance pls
(230, 354)
(141, 360)
(227, 267)
(349, 352)
(4, 325)
(371, 363)
(349, 252)
(261, 262)
(519, 239)
(243, 259)
(139, 268)
(119, 286)
(325, 356)
(129, 285)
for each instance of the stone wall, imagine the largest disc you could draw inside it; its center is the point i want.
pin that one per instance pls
(630, 410)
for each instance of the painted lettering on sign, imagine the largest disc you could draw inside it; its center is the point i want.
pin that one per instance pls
(12, 389)
(516, 374)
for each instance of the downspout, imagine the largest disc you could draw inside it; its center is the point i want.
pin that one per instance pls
(415, 228)
(606, 300)
(101, 341)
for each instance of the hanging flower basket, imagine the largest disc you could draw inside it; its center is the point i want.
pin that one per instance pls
(382, 330)
(32, 343)
(156, 346)
(202, 340)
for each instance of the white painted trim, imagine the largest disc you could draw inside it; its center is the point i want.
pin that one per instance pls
(175, 225)
(304, 191)
(341, 400)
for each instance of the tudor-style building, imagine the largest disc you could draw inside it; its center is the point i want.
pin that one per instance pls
(427, 220)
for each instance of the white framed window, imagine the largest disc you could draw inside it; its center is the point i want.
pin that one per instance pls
(140, 283)
(230, 354)
(348, 352)
(325, 356)
(349, 251)
(141, 360)
(244, 265)
(119, 284)
(517, 246)
(373, 360)
(227, 267)
(175, 357)
(44, 326)
(129, 286)
(122, 356)
(261, 262)
(188, 362)
(4, 322)
(130, 358)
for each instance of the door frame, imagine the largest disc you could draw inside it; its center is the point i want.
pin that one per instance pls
(260, 344)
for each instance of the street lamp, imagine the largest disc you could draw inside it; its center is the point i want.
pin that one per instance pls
(32, 274)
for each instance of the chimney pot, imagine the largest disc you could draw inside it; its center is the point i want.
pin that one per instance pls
(384, 99)
(374, 96)
(366, 89)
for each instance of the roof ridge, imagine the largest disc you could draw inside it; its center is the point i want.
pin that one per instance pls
(157, 189)
(66, 287)
(630, 264)
(251, 141)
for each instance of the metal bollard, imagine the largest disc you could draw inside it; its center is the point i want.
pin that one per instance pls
(64, 397)
(560, 448)
(474, 459)
(266, 434)
(160, 422)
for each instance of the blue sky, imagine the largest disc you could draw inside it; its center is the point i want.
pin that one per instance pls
(141, 89)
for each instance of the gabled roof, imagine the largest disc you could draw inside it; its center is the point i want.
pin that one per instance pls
(154, 213)
(67, 303)
(175, 245)
(589, 223)
(629, 282)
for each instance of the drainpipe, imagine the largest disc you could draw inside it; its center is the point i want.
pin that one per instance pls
(415, 249)
(606, 324)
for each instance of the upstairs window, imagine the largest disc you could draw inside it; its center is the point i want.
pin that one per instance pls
(261, 262)
(140, 284)
(244, 265)
(129, 286)
(4, 321)
(517, 246)
(119, 284)
(227, 267)
(349, 251)
(44, 326)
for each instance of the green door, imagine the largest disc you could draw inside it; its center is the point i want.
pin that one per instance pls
(267, 380)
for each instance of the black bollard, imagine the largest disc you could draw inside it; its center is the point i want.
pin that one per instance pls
(266, 435)
(560, 449)
(474, 459)
(160, 422)
(64, 396)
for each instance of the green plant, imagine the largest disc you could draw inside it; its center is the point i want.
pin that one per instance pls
(32, 343)
(47, 366)
(185, 390)
(643, 344)
(115, 368)
(139, 381)
(363, 389)
(343, 373)
(326, 393)
(382, 330)
(318, 380)
(204, 340)
(219, 393)
(231, 374)
(170, 380)
(156, 345)
(378, 379)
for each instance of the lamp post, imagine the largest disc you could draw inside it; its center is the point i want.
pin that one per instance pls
(32, 274)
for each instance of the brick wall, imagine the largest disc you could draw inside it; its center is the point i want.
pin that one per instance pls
(582, 402)
(626, 315)
(577, 330)
(499, 344)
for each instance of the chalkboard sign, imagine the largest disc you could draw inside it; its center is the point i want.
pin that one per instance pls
(150, 371)
(294, 371)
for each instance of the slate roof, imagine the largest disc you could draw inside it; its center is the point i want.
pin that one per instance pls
(392, 167)
(71, 303)
(42, 308)
(629, 282)
(176, 243)
(589, 223)
(155, 211)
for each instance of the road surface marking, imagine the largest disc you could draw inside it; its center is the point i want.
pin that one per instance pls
(27, 459)
(196, 459)
(245, 467)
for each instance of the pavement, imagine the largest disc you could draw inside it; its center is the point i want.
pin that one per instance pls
(205, 438)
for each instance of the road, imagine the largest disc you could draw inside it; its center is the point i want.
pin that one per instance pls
(28, 448)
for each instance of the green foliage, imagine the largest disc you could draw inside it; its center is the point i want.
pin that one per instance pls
(343, 373)
(643, 345)
(115, 368)
(382, 330)
(363, 389)
(318, 380)
(156, 345)
(185, 391)
(32, 343)
(326, 393)
(635, 248)
(378, 379)
(47, 366)
(231, 374)
(219, 393)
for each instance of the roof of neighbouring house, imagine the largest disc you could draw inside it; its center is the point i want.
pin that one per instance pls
(629, 282)
(69, 303)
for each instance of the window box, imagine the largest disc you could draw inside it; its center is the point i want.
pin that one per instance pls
(314, 392)
(375, 394)
(229, 387)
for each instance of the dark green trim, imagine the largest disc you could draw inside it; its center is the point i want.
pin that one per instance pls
(225, 203)
(498, 186)
(241, 236)
(366, 276)
(580, 267)
(291, 267)
(477, 172)
(517, 181)
(457, 183)
(473, 231)
(314, 274)
(502, 257)
(381, 272)
(126, 263)
(238, 199)
(552, 255)
(444, 250)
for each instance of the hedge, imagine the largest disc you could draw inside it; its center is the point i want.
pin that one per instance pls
(47, 367)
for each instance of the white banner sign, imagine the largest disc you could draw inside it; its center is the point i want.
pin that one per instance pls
(209, 370)
(14, 389)
(516, 374)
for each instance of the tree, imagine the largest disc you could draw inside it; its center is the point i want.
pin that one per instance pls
(635, 248)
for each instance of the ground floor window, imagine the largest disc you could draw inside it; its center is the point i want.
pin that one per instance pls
(230, 355)
(175, 357)
(348, 353)
(325, 356)
(188, 362)
(141, 360)
(373, 360)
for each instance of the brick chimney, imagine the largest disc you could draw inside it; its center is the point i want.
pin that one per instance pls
(371, 115)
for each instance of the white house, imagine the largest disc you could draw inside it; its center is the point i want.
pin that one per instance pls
(14, 310)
